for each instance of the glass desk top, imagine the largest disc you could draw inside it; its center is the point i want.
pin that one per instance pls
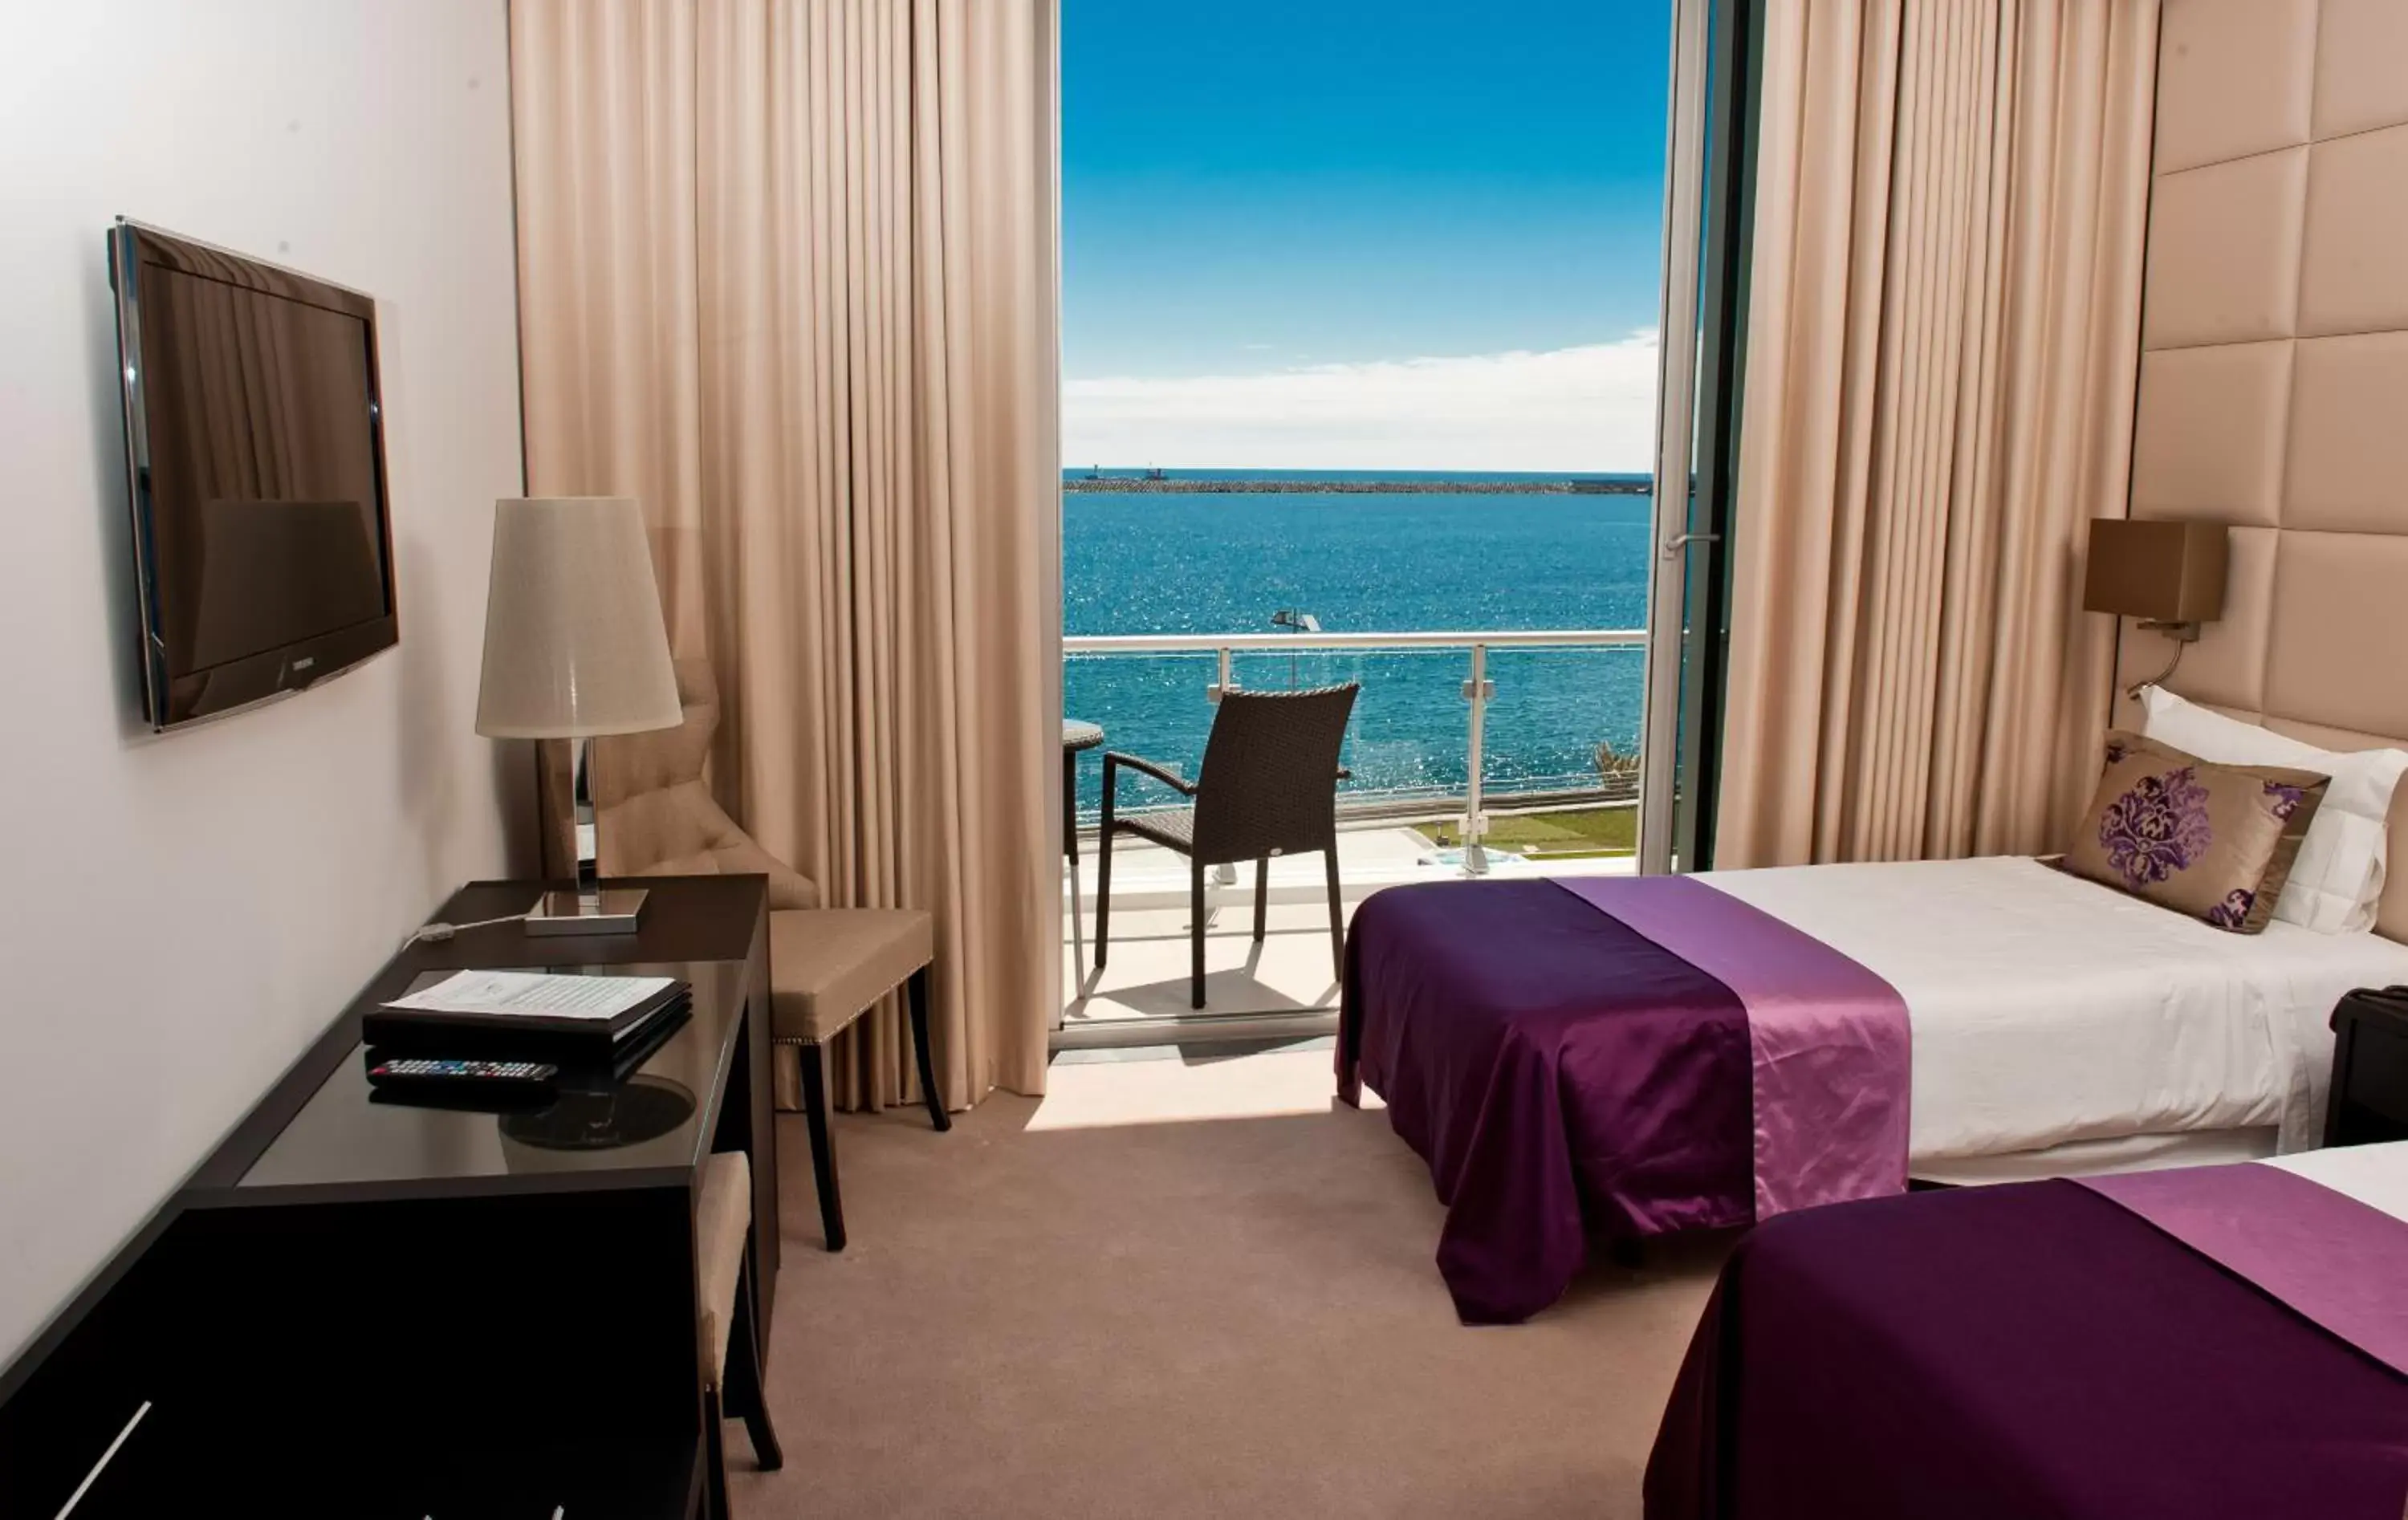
(657, 1117)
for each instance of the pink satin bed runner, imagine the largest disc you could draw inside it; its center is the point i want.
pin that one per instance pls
(1827, 1039)
(2331, 1258)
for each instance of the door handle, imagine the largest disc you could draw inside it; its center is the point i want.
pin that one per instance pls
(1674, 545)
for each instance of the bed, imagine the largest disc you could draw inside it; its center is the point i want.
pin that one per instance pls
(2196, 1343)
(1615, 1058)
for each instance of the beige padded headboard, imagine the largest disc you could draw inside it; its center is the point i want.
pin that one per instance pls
(2275, 364)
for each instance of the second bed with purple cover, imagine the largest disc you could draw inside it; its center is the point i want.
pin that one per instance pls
(2211, 1343)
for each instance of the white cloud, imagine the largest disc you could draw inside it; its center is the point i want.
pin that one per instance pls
(1591, 408)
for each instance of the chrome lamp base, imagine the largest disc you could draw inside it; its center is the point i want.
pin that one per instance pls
(617, 910)
(589, 907)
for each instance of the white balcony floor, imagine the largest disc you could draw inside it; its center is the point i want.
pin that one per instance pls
(1291, 971)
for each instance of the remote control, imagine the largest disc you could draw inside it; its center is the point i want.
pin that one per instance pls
(463, 1078)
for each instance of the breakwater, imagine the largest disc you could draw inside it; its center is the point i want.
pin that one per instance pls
(1149, 485)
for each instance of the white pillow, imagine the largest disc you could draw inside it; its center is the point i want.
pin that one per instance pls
(2337, 881)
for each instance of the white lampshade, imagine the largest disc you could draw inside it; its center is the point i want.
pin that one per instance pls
(575, 646)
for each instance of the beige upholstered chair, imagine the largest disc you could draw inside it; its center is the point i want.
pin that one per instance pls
(655, 810)
(827, 966)
(731, 1320)
(826, 971)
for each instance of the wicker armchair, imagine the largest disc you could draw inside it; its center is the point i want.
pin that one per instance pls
(1269, 786)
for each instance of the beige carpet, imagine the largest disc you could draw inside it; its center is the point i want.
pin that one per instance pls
(1057, 1311)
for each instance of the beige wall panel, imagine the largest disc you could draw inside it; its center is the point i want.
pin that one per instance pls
(2348, 460)
(2209, 439)
(2354, 259)
(2361, 67)
(2224, 251)
(2338, 630)
(2234, 78)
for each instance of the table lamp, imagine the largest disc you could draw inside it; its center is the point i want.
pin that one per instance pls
(576, 649)
(2168, 574)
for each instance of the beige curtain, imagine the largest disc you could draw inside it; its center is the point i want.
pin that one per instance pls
(787, 274)
(1942, 346)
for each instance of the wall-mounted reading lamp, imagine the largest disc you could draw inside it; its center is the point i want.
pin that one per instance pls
(2169, 575)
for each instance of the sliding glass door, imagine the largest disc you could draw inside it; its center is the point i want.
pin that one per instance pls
(1381, 365)
(1708, 226)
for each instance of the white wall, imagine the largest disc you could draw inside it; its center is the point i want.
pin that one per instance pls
(181, 916)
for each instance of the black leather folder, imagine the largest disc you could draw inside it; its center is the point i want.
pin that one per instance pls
(564, 1041)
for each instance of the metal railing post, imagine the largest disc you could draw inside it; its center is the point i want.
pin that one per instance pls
(1476, 692)
(1224, 874)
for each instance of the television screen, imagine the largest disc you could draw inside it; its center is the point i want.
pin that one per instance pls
(256, 468)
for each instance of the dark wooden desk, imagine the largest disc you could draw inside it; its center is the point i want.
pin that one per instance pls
(370, 1308)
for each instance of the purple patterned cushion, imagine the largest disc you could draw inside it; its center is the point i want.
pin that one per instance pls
(2156, 828)
(2212, 841)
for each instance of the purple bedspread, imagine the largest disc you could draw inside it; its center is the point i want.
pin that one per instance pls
(2010, 1352)
(1557, 1069)
(1613, 1058)
(1828, 1041)
(2334, 1260)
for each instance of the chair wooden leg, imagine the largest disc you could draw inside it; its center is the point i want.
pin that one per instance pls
(1070, 853)
(916, 994)
(1078, 930)
(815, 1119)
(1070, 808)
(1103, 886)
(744, 1380)
(714, 1458)
(1336, 914)
(1262, 896)
(1350, 1054)
(1196, 932)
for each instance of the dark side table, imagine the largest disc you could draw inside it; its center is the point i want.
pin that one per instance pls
(2369, 1078)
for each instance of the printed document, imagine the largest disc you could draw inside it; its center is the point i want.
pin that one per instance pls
(535, 995)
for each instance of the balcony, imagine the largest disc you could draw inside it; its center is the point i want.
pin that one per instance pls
(1477, 753)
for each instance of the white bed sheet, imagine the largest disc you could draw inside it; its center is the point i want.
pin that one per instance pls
(2046, 1009)
(2375, 1175)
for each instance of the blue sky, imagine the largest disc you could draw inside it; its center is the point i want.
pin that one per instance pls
(1254, 189)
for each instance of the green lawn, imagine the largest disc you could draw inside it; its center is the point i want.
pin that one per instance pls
(1585, 831)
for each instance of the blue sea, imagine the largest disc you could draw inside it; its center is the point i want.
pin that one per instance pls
(1143, 563)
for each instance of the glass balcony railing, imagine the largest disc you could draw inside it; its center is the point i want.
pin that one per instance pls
(1447, 724)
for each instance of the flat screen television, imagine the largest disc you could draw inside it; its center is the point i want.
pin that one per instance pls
(254, 454)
